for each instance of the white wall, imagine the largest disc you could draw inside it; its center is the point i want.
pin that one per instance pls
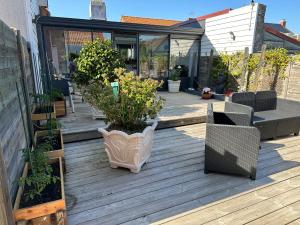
(241, 22)
(19, 14)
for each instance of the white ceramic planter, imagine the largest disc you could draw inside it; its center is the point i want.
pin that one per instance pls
(129, 151)
(173, 86)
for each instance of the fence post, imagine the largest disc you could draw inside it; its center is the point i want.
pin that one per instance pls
(260, 66)
(244, 76)
(210, 64)
(23, 82)
(6, 212)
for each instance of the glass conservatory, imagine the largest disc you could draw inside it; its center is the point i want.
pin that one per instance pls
(150, 51)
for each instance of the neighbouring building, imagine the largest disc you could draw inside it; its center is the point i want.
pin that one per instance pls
(279, 36)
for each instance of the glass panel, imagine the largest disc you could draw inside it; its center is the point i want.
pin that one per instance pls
(184, 53)
(63, 46)
(154, 56)
(127, 46)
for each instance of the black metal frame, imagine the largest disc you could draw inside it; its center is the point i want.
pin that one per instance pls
(112, 27)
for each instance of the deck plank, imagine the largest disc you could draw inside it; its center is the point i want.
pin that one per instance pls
(172, 188)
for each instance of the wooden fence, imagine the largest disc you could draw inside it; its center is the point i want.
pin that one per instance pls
(16, 84)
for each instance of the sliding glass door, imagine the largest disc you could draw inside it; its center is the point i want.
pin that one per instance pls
(154, 56)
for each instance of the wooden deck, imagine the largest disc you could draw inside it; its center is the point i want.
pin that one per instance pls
(172, 188)
(180, 108)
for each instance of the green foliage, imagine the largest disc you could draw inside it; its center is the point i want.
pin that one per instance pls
(229, 66)
(175, 74)
(276, 62)
(96, 63)
(56, 95)
(137, 100)
(43, 103)
(41, 172)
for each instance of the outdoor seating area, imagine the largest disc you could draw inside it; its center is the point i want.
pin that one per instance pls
(148, 121)
(274, 117)
(172, 187)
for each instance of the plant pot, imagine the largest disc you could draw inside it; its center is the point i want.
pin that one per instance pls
(36, 115)
(128, 151)
(207, 95)
(56, 153)
(174, 86)
(60, 107)
(47, 213)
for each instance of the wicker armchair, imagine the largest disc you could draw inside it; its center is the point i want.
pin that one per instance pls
(231, 144)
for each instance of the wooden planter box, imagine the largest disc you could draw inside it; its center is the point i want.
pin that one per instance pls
(42, 116)
(56, 153)
(60, 107)
(46, 213)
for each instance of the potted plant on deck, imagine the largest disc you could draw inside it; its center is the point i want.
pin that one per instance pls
(128, 138)
(174, 81)
(43, 109)
(59, 102)
(40, 198)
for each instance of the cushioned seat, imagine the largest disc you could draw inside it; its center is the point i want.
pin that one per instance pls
(272, 116)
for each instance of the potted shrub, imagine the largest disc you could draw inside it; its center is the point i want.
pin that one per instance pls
(52, 141)
(128, 138)
(43, 109)
(174, 81)
(40, 198)
(59, 102)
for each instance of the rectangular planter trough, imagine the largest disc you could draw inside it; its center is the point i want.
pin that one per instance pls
(49, 213)
(35, 116)
(57, 152)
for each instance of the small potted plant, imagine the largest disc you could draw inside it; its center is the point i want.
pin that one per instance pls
(40, 198)
(174, 81)
(59, 102)
(206, 93)
(128, 138)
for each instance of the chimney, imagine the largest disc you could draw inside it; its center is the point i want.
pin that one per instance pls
(282, 23)
(97, 10)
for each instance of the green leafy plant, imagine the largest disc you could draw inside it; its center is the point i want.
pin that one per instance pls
(229, 66)
(51, 124)
(96, 63)
(137, 101)
(174, 75)
(43, 103)
(252, 65)
(276, 62)
(56, 95)
(40, 172)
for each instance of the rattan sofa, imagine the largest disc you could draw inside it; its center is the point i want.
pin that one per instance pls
(231, 143)
(274, 117)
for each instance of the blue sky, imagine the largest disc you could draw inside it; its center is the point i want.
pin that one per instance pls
(177, 9)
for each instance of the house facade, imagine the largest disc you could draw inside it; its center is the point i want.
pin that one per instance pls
(20, 15)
